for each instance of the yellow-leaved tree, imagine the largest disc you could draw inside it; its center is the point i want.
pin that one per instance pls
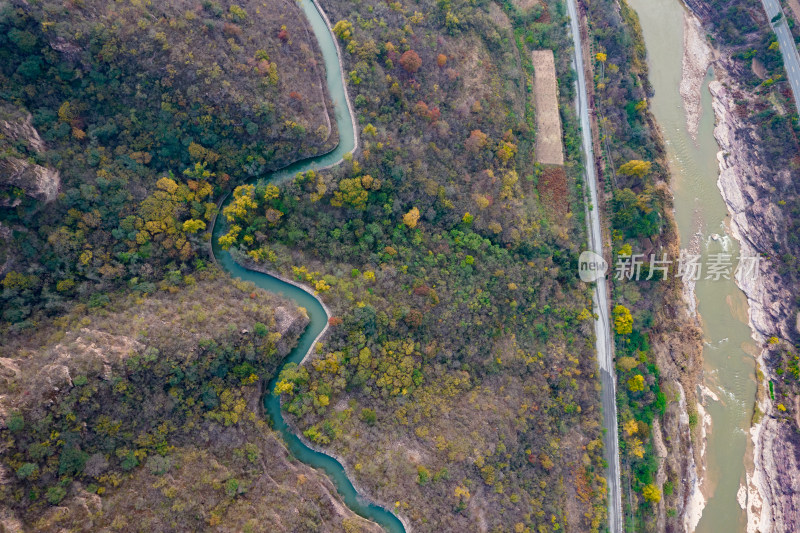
(636, 383)
(411, 218)
(636, 448)
(243, 201)
(623, 320)
(651, 493)
(636, 167)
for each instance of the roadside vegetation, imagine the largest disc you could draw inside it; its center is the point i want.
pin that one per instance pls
(653, 334)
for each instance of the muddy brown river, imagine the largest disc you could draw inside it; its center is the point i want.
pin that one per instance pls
(701, 214)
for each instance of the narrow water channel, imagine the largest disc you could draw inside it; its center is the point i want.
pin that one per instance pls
(301, 298)
(701, 216)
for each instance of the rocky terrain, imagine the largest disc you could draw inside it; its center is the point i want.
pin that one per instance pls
(696, 59)
(756, 222)
(758, 191)
(19, 140)
(747, 183)
(233, 475)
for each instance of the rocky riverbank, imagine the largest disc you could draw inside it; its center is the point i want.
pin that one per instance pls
(746, 183)
(697, 57)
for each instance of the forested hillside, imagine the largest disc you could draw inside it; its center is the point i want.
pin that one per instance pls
(149, 407)
(131, 371)
(142, 114)
(458, 382)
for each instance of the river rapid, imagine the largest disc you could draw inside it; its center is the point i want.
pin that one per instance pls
(728, 388)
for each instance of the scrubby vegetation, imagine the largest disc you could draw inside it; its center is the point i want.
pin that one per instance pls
(783, 359)
(149, 407)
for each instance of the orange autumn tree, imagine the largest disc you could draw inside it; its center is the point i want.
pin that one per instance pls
(410, 61)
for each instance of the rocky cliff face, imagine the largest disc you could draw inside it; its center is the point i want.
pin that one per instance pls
(18, 138)
(747, 186)
(748, 183)
(771, 496)
(749, 180)
(35, 180)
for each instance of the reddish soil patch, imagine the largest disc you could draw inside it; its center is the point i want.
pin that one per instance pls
(553, 192)
(545, 16)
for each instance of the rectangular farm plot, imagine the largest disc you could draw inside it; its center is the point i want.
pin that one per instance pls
(549, 149)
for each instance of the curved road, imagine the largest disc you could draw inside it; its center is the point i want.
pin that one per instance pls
(791, 58)
(604, 342)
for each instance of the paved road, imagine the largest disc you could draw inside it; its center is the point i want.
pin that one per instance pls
(791, 58)
(604, 342)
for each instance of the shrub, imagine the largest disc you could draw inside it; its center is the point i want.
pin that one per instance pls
(26, 470)
(55, 494)
(368, 416)
(623, 320)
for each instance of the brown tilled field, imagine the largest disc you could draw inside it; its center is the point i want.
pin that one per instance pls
(549, 149)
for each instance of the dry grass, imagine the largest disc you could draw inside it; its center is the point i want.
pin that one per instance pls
(274, 493)
(498, 16)
(525, 5)
(549, 149)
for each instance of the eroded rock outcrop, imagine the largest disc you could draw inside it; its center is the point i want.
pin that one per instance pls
(771, 495)
(756, 219)
(87, 352)
(16, 170)
(18, 126)
(35, 180)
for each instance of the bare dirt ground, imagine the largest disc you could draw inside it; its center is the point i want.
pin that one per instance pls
(549, 149)
(795, 5)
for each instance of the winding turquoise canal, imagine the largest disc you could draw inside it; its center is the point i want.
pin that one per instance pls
(316, 313)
